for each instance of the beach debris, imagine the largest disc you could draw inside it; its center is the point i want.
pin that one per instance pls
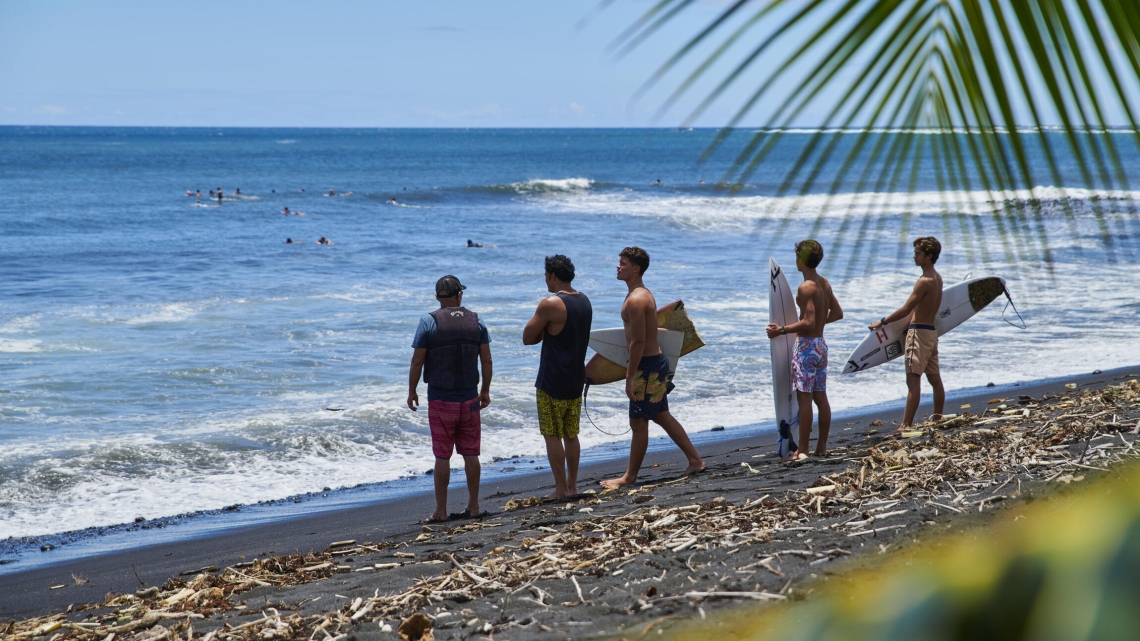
(955, 465)
(515, 504)
(416, 628)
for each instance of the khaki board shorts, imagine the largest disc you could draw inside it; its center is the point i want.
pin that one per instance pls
(558, 417)
(921, 352)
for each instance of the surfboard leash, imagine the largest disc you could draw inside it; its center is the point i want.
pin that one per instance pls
(586, 410)
(1008, 304)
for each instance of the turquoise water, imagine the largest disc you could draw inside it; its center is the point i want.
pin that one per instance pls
(159, 357)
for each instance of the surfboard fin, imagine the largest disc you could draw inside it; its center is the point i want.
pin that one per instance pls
(785, 445)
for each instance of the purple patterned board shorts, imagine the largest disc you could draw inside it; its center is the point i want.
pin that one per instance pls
(809, 365)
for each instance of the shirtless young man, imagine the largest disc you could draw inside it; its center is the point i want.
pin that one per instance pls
(818, 307)
(646, 376)
(921, 352)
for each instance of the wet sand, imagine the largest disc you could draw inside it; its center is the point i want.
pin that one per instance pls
(782, 562)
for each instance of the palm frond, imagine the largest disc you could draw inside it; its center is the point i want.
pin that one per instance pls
(1004, 96)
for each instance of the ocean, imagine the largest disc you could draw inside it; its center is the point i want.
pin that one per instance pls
(161, 356)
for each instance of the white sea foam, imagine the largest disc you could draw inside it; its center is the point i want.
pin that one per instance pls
(15, 345)
(552, 185)
(168, 313)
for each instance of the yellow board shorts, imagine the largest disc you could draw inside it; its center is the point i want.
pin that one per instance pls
(558, 417)
(921, 351)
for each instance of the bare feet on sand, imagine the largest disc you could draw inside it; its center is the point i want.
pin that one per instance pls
(621, 481)
(695, 468)
(900, 430)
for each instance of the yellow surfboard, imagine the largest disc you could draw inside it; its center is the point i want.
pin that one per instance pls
(601, 370)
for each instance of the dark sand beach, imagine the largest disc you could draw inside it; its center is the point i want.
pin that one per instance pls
(609, 564)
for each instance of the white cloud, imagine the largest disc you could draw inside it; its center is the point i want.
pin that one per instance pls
(577, 108)
(11, 110)
(51, 110)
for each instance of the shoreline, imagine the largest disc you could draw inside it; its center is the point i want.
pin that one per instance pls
(26, 591)
(27, 553)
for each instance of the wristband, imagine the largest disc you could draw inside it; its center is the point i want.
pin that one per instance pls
(783, 330)
(883, 321)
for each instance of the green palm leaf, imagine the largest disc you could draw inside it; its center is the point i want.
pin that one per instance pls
(1001, 95)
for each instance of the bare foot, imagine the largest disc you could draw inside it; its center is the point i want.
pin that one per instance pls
(436, 518)
(820, 453)
(695, 468)
(900, 430)
(621, 481)
(793, 456)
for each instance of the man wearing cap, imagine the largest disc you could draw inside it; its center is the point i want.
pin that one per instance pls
(450, 344)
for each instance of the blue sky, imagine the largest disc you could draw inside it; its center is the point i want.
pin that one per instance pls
(379, 63)
(429, 63)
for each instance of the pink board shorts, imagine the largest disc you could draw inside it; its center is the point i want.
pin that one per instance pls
(454, 426)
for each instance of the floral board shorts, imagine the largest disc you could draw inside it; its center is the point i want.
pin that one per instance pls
(809, 365)
(556, 416)
(650, 387)
(454, 426)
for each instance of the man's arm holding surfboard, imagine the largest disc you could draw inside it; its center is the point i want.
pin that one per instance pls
(636, 309)
(921, 289)
(551, 311)
(805, 297)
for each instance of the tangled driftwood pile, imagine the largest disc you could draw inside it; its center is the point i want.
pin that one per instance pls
(959, 463)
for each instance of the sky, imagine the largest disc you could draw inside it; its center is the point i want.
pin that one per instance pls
(376, 63)
(429, 63)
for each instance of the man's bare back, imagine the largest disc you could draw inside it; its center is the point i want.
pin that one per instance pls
(818, 292)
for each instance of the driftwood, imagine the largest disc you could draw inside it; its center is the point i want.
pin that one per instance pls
(961, 463)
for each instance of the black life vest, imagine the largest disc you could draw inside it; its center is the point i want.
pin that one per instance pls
(453, 358)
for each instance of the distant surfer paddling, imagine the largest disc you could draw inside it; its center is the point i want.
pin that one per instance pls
(452, 351)
(921, 349)
(818, 307)
(562, 324)
(647, 374)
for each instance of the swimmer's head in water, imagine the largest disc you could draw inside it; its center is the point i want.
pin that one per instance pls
(448, 287)
(288, 241)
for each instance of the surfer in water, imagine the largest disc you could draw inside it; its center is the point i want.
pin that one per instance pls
(647, 375)
(562, 324)
(921, 351)
(818, 307)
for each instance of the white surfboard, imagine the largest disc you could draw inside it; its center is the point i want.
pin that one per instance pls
(959, 302)
(611, 344)
(782, 311)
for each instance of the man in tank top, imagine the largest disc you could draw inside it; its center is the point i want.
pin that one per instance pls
(451, 347)
(562, 324)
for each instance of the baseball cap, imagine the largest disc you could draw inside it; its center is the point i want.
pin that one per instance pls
(448, 287)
